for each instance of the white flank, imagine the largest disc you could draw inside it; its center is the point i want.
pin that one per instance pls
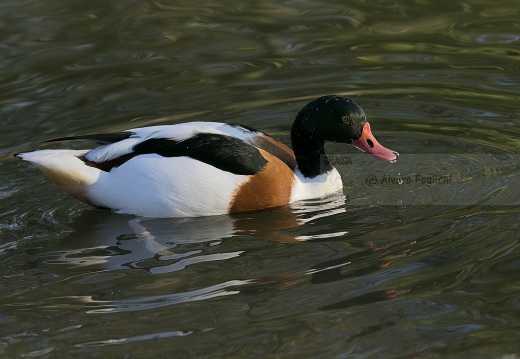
(155, 186)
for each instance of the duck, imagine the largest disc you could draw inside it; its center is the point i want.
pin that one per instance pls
(202, 168)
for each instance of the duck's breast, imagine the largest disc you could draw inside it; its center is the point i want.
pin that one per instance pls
(316, 187)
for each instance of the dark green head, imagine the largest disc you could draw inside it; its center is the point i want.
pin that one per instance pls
(330, 118)
(336, 119)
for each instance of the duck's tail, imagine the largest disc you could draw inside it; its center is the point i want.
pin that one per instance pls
(66, 169)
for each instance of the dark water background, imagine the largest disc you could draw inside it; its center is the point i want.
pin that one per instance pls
(417, 259)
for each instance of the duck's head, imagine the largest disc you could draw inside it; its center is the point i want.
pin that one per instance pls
(337, 119)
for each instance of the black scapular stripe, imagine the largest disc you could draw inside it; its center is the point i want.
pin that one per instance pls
(101, 138)
(227, 153)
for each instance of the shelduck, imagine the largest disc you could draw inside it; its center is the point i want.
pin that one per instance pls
(210, 168)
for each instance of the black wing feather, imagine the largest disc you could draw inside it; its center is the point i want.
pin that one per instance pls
(100, 138)
(223, 152)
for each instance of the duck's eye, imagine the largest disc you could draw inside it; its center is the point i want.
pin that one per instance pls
(346, 120)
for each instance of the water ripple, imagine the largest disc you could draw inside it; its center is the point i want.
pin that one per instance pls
(137, 338)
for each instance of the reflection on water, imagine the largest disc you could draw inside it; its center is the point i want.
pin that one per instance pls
(394, 267)
(168, 245)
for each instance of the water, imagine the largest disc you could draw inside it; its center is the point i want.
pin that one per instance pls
(419, 258)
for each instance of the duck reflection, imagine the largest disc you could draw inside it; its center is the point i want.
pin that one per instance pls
(103, 246)
(104, 240)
